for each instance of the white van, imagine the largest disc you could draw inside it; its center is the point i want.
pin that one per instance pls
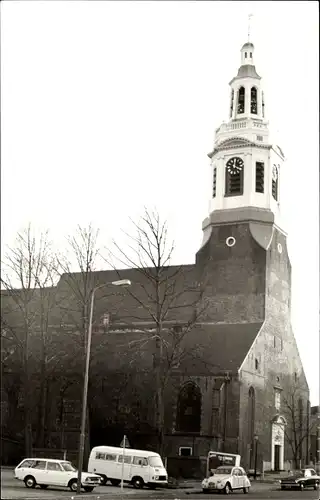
(140, 467)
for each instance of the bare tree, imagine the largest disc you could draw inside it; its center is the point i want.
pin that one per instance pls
(297, 414)
(29, 278)
(76, 268)
(166, 301)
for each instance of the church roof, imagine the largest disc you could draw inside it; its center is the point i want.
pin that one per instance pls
(248, 45)
(220, 347)
(246, 70)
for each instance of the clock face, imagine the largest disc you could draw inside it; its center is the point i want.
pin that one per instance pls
(274, 172)
(234, 165)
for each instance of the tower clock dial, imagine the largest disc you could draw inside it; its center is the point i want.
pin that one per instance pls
(275, 172)
(234, 165)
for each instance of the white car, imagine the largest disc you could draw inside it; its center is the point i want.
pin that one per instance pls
(49, 472)
(227, 479)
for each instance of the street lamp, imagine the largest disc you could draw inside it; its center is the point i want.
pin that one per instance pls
(86, 377)
(255, 456)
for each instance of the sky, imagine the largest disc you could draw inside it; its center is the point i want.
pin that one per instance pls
(107, 107)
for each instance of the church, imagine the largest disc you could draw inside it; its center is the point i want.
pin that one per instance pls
(240, 386)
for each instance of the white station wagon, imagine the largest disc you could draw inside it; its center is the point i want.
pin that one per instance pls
(227, 479)
(49, 472)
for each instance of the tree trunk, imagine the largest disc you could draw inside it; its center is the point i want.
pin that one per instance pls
(42, 408)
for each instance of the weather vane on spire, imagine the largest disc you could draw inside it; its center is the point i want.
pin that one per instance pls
(249, 26)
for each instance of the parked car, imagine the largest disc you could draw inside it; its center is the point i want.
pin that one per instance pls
(305, 478)
(49, 472)
(227, 479)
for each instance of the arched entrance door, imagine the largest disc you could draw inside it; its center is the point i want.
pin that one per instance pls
(277, 443)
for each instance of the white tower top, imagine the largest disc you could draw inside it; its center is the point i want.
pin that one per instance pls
(245, 166)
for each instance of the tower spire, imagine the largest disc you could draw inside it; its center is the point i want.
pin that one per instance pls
(249, 26)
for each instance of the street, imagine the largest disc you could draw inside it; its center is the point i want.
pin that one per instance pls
(12, 489)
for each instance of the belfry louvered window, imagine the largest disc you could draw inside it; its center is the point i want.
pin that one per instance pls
(275, 182)
(231, 104)
(234, 177)
(241, 100)
(214, 182)
(259, 177)
(254, 101)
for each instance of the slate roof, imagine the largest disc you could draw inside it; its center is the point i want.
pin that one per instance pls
(248, 45)
(222, 346)
(206, 349)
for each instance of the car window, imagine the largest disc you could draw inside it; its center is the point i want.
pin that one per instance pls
(140, 461)
(223, 470)
(54, 466)
(67, 466)
(26, 463)
(313, 472)
(39, 464)
(126, 459)
(235, 472)
(100, 456)
(240, 473)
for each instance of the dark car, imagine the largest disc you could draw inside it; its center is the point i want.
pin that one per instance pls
(305, 478)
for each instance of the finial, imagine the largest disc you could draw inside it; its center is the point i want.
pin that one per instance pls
(249, 26)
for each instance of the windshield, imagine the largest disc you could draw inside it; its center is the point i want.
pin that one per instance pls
(68, 467)
(155, 462)
(223, 470)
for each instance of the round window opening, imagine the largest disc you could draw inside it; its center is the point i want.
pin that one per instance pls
(279, 248)
(230, 241)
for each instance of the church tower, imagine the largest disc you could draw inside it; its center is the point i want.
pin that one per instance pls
(245, 267)
(244, 218)
(246, 167)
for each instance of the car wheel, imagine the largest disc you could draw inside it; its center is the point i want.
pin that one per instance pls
(88, 488)
(137, 482)
(73, 485)
(43, 486)
(301, 486)
(316, 486)
(30, 482)
(227, 489)
(115, 482)
(246, 489)
(282, 487)
(103, 480)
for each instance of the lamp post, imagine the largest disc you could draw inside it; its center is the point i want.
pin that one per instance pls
(86, 378)
(255, 455)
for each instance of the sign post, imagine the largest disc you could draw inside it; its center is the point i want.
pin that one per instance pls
(122, 468)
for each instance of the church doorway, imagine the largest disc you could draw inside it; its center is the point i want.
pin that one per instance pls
(277, 443)
(277, 457)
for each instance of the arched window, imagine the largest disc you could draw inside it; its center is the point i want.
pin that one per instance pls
(254, 101)
(245, 55)
(262, 105)
(241, 100)
(189, 408)
(231, 104)
(251, 420)
(301, 430)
